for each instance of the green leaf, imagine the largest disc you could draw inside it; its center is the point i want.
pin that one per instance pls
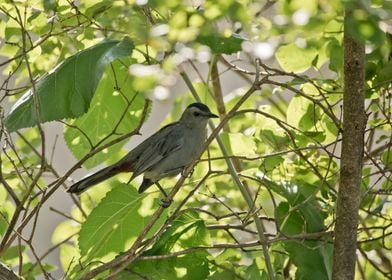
(301, 113)
(50, 5)
(365, 27)
(193, 266)
(220, 44)
(252, 272)
(384, 75)
(186, 231)
(98, 8)
(109, 107)
(335, 56)
(67, 90)
(7, 209)
(274, 138)
(63, 231)
(386, 159)
(334, 26)
(68, 255)
(290, 222)
(116, 221)
(239, 144)
(312, 258)
(11, 256)
(3, 195)
(271, 162)
(29, 273)
(295, 59)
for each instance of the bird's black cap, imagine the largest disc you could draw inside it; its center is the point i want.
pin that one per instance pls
(200, 106)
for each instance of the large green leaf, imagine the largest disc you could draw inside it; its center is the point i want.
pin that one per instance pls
(312, 258)
(386, 159)
(31, 271)
(301, 113)
(238, 144)
(12, 255)
(185, 232)
(220, 44)
(116, 221)
(108, 106)
(335, 55)
(67, 90)
(295, 59)
(192, 266)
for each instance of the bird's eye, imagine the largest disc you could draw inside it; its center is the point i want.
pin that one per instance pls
(196, 114)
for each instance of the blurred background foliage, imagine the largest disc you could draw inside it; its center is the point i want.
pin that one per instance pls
(284, 139)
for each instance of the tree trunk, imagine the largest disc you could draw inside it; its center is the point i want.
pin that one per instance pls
(6, 273)
(354, 122)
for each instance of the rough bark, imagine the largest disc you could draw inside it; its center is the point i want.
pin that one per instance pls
(6, 273)
(354, 122)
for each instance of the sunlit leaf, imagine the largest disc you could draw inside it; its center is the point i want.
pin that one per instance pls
(238, 144)
(186, 231)
(269, 163)
(115, 222)
(305, 218)
(295, 59)
(30, 271)
(335, 56)
(386, 159)
(192, 266)
(114, 105)
(67, 90)
(69, 254)
(11, 256)
(220, 44)
(301, 113)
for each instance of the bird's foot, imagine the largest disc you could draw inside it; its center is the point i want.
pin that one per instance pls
(165, 202)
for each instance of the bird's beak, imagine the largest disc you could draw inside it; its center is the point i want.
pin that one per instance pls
(211, 115)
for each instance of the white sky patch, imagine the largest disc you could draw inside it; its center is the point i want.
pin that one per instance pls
(187, 53)
(294, 189)
(203, 54)
(247, 46)
(141, 2)
(160, 30)
(301, 42)
(263, 50)
(368, 49)
(280, 19)
(168, 80)
(143, 70)
(161, 93)
(177, 59)
(301, 17)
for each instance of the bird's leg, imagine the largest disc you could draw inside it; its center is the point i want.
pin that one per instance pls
(161, 189)
(165, 202)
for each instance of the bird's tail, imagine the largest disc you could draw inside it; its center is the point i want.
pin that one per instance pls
(92, 180)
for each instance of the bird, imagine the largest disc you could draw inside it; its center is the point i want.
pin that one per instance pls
(164, 154)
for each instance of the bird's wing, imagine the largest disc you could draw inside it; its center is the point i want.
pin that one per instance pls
(155, 148)
(166, 141)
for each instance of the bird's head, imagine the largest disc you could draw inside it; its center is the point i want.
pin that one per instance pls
(197, 114)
